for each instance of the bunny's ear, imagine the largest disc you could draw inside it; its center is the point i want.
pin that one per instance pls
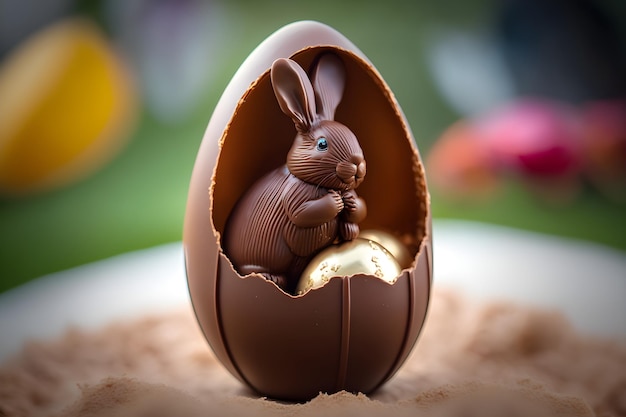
(294, 92)
(329, 81)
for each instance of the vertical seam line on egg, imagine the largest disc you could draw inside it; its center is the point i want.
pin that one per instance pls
(220, 326)
(401, 356)
(346, 307)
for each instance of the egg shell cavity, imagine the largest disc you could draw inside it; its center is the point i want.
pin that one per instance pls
(354, 332)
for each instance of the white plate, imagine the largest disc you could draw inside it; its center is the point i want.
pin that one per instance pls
(587, 282)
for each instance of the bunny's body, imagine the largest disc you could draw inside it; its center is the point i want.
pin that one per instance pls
(296, 210)
(269, 241)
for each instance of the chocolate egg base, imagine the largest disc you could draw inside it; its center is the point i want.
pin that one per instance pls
(354, 332)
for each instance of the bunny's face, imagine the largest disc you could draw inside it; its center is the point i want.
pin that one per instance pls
(325, 152)
(328, 156)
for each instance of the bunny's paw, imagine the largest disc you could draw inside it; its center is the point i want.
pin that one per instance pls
(349, 231)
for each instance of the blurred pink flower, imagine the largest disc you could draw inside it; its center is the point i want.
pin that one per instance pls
(534, 138)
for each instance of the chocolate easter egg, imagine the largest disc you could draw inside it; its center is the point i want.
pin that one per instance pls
(354, 332)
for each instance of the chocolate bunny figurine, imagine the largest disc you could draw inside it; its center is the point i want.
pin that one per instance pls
(294, 211)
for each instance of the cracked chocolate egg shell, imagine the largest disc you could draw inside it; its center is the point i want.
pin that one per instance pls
(354, 332)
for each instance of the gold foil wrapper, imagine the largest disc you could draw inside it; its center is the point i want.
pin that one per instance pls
(359, 256)
(392, 244)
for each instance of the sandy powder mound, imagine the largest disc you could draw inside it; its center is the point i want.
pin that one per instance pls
(489, 359)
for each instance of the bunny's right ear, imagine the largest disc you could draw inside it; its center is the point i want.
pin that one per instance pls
(294, 92)
(329, 82)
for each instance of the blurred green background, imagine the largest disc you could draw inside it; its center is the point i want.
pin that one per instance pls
(138, 199)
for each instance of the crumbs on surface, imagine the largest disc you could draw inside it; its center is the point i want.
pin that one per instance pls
(476, 359)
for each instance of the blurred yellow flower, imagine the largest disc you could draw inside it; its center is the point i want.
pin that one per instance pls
(67, 104)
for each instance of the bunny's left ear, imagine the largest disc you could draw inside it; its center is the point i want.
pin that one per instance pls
(294, 92)
(329, 81)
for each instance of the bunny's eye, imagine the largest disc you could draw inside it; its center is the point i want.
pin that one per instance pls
(322, 144)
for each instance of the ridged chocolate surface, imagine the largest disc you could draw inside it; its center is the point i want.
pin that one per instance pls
(296, 210)
(355, 332)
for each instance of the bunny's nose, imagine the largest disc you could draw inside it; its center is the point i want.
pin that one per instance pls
(359, 166)
(351, 172)
(346, 171)
(360, 170)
